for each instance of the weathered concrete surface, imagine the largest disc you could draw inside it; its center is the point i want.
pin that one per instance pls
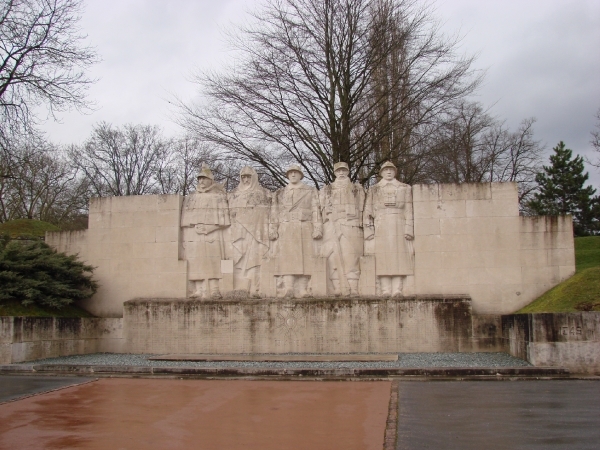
(30, 338)
(200, 414)
(523, 415)
(570, 340)
(421, 324)
(13, 387)
(328, 357)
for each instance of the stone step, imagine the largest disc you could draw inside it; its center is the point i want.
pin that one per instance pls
(527, 372)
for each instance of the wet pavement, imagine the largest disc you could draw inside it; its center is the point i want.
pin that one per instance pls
(200, 414)
(499, 415)
(129, 413)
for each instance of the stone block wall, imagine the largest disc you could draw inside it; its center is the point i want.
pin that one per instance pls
(30, 338)
(134, 244)
(570, 340)
(470, 239)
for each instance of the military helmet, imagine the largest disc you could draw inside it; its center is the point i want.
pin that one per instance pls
(386, 165)
(340, 165)
(295, 167)
(205, 172)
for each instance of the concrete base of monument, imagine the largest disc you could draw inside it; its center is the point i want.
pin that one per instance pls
(315, 325)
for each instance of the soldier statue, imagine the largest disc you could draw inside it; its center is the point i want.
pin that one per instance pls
(204, 218)
(342, 211)
(295, 222)
(388, 219)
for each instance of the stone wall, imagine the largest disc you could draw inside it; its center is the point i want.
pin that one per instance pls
(440, 324)
(134, 244)
(469, 240)
(30, 338)
(570, 340)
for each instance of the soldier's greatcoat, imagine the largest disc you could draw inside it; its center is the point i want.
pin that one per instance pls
(342, 205)
(389, 209)
(295, 215)
(204, 217)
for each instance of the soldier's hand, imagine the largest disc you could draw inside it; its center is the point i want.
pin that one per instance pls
(273, 235)
(408, 237)
(317, 234)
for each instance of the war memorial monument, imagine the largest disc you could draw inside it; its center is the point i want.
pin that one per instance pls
(389, 269)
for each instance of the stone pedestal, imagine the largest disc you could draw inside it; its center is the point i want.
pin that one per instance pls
(341, 325)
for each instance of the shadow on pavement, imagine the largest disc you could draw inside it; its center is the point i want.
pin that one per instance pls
(15, 387)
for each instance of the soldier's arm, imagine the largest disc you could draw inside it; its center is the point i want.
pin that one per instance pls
(316, 216)
(409, 230)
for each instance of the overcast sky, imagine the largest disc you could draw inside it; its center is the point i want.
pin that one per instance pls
(542, 60)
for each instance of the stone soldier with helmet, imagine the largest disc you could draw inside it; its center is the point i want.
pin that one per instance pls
(204, 219)
(342, 205)
(388, 219)
(295, 222)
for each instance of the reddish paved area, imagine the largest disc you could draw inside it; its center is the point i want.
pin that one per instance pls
(128, 414)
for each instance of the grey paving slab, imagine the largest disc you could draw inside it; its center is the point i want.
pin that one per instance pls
(499, 415)
(13, 387)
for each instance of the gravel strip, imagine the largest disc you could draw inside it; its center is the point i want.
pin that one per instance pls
(404, 360)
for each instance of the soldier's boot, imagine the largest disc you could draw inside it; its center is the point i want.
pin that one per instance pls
(197, 289)
(213, 285)
(353, 288)
(303, 291)
(385, 283)
(254, 282)
(397, 287)
(288, 282)
(336, 287)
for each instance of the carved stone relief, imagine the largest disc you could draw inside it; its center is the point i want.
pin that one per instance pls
(249, 206)
(204, 218)
(388, 220)
(288, 233)
(342, 205)
(294, 226)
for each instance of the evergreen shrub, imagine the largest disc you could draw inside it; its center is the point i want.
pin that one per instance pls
(32, 272)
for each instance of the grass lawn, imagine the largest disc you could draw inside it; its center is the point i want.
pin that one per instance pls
(581, 292)
(26, 228)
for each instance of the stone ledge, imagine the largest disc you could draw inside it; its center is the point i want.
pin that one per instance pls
(342, 373)
(253, 301)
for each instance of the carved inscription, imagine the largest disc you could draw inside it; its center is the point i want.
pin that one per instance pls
(571, 331)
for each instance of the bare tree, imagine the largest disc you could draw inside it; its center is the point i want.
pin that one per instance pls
(42, 61)
(124, 161)
(472, 146)
(460, 153)
(186, 158)
(517, 157)
(43, 185)
(321, 81)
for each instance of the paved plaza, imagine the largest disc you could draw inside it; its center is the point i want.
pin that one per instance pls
(128, 413)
